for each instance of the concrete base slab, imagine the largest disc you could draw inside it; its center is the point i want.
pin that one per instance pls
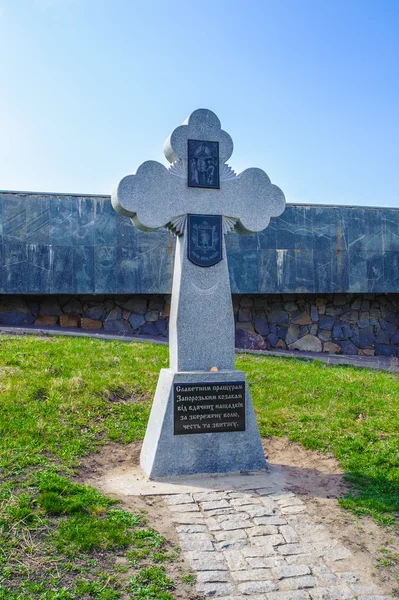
(133, 481)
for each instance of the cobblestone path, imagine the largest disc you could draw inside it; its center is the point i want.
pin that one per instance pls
(257, 545)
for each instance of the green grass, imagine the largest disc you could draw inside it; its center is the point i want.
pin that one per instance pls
(352, 413)
(62, 398)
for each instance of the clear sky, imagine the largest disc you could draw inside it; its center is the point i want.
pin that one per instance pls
(308, 90)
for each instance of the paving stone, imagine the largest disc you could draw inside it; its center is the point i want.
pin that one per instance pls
(206, 561)
(187, 518)
(178, 499)
(289, 534)
(307, 557)
(260, 551)
(209, 576)
(195, 544)
(252, 575)
(258, 511)
(245, 501)
(292, 510)
(287, 549)
(220, 512)
(235, 560)
(331, 593)
(291, 571)
(374, 597)
(232, 536)
(213, 524)
(184, 507)
(273, 520)
(298, 583)
(214, 504)
(196, 536)
(215, 589)
(262, 530)
(229, 545)
(265, 563)
(292, 595)
(268, 540)
(255, 587)
(191, 528)
(208, 496)
(251, 597)
(235, 522)
(324, 573)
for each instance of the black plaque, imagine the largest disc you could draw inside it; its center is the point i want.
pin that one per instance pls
(204, 242)
(209, 407)
(203, 164)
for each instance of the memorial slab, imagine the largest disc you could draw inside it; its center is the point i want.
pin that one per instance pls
(200, 199)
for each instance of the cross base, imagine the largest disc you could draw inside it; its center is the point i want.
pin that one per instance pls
(166, 453)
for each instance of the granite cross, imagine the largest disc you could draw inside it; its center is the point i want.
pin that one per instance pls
(199, 198)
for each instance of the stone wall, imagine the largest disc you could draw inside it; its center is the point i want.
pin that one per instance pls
(364, 324)
(69, 244)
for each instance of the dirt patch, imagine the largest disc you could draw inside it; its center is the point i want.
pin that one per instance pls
(314, 476)
(157, 513)
(318, 479)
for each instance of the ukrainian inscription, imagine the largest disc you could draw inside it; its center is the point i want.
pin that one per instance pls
(203, 164)
(209, 407)
(204, 247)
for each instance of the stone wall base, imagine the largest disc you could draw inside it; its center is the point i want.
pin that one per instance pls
(363, 324)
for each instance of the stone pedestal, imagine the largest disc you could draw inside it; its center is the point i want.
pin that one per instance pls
(201, 325)
(164, 453)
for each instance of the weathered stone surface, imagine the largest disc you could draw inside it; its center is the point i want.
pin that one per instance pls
(248, 340)
(302, 318)
(117, 326)
(136, 320)
(244, 315)
(331, 593)
(331, 348)
(252, 575)
(308, 343)
(178, 499)
(298, 583)
(90, 324)
(215, 589)
(261, 326)
(348, 347)
(14, 311)
(256, 587)
(69, 321)
(211, 576)
(291, 571)
(151, 316)
(149, 329)
(47, 320)
(326, 322)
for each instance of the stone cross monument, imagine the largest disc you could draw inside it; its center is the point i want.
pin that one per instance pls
(202, 419)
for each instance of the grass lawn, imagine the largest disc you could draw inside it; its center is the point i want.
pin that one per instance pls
(62, 397)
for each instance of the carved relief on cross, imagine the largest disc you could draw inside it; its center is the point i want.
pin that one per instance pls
(199, 182)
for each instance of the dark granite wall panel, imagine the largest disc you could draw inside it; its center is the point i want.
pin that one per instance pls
(64, 244)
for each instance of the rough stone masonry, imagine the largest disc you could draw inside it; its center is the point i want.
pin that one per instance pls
(202, 419)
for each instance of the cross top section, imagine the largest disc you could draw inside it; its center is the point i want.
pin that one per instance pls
(198, 181)
(203, 125)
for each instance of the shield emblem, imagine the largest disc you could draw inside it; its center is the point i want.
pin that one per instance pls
(204, 245)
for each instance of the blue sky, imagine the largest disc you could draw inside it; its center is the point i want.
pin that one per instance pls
(308, 90)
